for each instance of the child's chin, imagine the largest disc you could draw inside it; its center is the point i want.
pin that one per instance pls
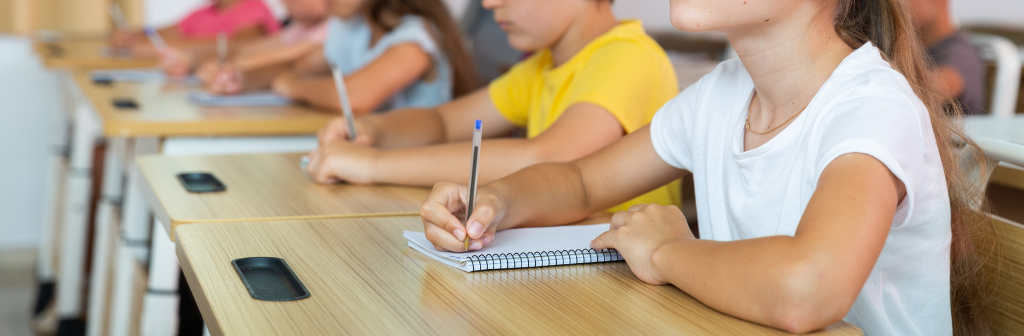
(523, 44)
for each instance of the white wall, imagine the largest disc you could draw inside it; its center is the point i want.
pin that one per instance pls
(1008, 13)
(162, 13)
(29, 102)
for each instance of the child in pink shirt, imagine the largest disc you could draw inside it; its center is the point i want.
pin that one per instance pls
(211, 20)
(195, 35)
(255, 65)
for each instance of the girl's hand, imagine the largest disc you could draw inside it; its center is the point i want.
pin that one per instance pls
(337, 130)
(176, 62)
(442, 213)
(285, 85)
(224, 79)
(638, 233)
(342, 161)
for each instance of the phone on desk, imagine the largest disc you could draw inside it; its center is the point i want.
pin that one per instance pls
(125, 104)
(201, 182)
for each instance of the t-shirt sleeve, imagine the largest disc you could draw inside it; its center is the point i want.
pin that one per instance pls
(510, 93)
(623, 77)
(255, 12)
(672, 128)
(888, 126)
(412, 29)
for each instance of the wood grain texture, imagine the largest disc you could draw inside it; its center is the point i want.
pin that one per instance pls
(1009, 175)
(363, 279)
(165, 111)
(1005, 279)
(83, 51)
(263, 187)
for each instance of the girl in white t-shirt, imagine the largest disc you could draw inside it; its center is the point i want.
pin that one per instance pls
(823, 169)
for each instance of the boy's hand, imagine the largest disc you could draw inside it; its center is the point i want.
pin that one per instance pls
(341, 160)
(638, 232)
(442, 213)
(337, 129)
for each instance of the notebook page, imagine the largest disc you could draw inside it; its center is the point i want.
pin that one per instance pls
(143, 76)
(248, 99)
(545, 239)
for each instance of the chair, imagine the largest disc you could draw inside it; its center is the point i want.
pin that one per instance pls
(1004, 278)
(1008, 67)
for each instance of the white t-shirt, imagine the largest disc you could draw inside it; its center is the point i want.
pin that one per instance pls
(864, 107)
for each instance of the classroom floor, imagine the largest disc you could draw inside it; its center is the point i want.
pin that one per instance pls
(17, 289)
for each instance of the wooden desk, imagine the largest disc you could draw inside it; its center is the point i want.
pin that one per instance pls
(363, 279)
(84, 52)
(263, 187)
(166, 112)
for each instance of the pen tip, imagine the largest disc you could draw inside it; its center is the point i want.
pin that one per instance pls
(478, 123)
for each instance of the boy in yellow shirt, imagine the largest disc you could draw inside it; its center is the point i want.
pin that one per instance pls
(591, 80)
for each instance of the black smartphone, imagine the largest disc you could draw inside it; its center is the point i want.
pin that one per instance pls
(201, 182)
(125, 104)
(103, 81)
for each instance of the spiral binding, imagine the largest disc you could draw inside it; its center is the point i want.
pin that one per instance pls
(540, 259)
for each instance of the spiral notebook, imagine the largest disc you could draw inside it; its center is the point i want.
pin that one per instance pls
(524, 248)
(249, 99)
(142, 76)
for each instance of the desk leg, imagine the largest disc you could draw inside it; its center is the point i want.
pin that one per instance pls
(56, 171)
(75, 219)
(104, 234)
(160, 309)
(133, 244)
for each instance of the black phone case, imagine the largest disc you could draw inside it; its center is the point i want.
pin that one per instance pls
(270, 279)
(201, 182)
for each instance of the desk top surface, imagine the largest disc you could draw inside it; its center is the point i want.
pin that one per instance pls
(262, 187)
(166, 111)
(85, 52)
(363, 279)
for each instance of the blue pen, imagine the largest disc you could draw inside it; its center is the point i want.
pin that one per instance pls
(471, 203)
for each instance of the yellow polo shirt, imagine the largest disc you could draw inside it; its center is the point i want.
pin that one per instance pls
(623, 71)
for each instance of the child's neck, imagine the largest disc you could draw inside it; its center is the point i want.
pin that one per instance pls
(790, 58)
(225, 4)
(586, 27)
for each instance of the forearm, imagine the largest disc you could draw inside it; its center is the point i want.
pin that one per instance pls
(261, 78)
(543, 195)
(773, 281)
(426, 166)
(320, 91)
(280, 55)
(407, 128)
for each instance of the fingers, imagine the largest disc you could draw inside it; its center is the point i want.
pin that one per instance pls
(441, 226)
(604, 241)
(334, 130)
(320, 168)
(484, 215)
(638, 207)
(621, 218)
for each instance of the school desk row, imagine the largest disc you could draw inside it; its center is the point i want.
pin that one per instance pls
(162, 122)
(164, 114)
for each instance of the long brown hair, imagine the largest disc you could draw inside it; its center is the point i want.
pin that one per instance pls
(384, 13)
(887, 24)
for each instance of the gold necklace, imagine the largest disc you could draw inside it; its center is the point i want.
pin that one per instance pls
(751, 108)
